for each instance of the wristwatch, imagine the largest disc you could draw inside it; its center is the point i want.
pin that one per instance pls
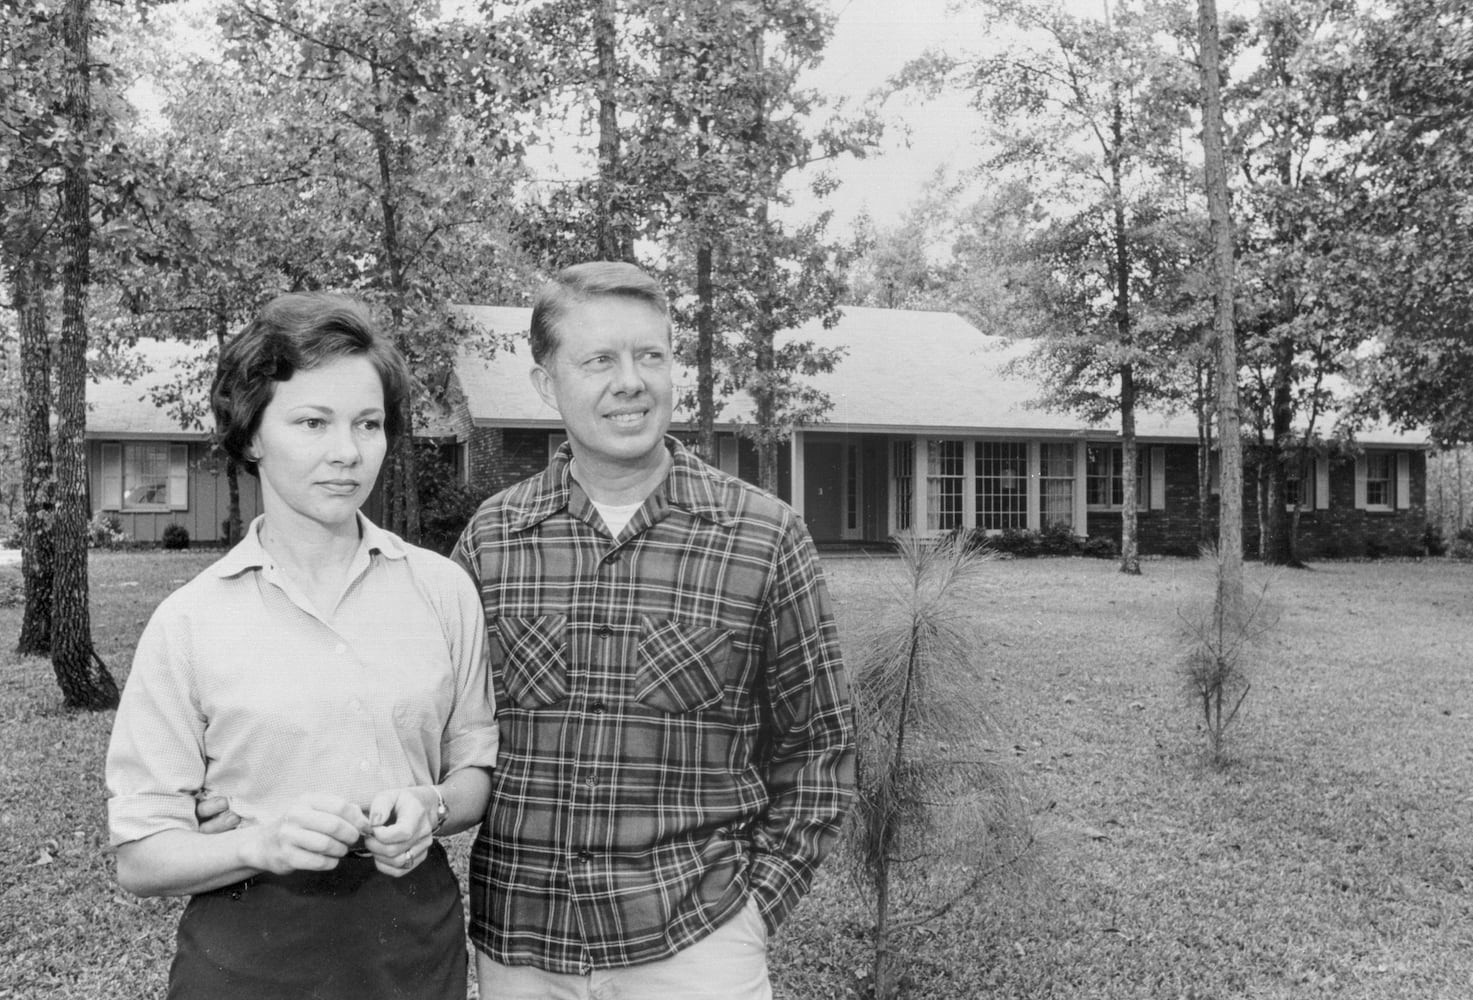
(442, 812)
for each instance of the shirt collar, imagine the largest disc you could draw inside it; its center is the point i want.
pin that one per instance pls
(690, 484)
(248, 553)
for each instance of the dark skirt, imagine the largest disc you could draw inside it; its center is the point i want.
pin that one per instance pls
(349, 934)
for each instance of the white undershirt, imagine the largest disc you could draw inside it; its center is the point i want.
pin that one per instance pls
(616, 516)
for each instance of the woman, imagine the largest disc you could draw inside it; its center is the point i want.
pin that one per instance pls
(324, 677)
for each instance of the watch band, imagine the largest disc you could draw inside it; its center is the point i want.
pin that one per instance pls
(442, 812)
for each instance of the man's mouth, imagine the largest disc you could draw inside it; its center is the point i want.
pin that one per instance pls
(627, 417)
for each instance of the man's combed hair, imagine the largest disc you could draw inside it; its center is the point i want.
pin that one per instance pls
(581, 282)
(296, 332)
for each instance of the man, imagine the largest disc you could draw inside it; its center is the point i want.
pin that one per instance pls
(676, 734)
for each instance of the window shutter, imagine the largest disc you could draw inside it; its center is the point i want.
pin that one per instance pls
(1360, 482)
(112, 477)
(178, 477)
(1158, 478)
(1403, 480)
(1322, 482)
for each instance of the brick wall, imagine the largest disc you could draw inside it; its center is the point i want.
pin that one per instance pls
(1339, 532)
(500, 457)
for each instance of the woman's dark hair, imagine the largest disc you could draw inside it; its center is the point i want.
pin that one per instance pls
(582, 282)
(291, 333)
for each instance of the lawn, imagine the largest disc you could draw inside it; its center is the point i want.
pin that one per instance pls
(1331, 858)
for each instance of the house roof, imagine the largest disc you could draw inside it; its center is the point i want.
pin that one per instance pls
(902, 371)
(127, 405)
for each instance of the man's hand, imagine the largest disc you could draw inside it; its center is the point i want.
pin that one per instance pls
(214, 814)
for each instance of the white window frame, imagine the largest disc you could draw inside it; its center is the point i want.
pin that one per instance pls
(114, 477)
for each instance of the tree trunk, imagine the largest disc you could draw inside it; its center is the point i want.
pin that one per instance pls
(1204, 454)
(234, 530)
(1130, 556)
(1278, 545)
(1229, 418)
(400, 485)
(38, 484)
(84, 679)
(615, 241)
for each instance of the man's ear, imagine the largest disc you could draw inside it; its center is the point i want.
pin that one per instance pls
(542, 382)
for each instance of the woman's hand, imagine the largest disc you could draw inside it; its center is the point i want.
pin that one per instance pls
(312, 835)
(401, 823)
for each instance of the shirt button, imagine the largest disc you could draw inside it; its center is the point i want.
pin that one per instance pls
(356, 705)
(591, 781)
(363, 765)
(585, 857)
(599, 708)
(612, 559)
(605, 631)
(340, 649)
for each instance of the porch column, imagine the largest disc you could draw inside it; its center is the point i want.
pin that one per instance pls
(795, 460)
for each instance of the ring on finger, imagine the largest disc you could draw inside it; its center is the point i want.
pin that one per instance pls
(409, 858)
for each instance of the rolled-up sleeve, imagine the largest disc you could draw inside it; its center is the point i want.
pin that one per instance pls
(471, 735)
(156, 757)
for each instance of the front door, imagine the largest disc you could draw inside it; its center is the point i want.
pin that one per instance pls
(823, 490)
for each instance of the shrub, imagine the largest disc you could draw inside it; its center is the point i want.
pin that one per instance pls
(1100, 547)
(1058, 540)
(1376, 548)
(1014, 542)
(1433, 542)
(105, 531)
(175, 536)
(445, 505)
(10, 532)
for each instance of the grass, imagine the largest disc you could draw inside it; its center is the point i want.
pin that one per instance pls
(1331, 858)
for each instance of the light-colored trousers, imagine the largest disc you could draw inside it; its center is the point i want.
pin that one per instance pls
(728, 964)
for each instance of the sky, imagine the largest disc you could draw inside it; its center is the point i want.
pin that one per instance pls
(873, 40)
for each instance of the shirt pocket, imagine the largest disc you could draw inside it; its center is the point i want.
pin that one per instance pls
(534, 659)
(681, 667)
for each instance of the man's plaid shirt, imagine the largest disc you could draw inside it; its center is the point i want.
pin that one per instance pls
(676, 730)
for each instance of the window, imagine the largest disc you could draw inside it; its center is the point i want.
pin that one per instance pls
(1002, 485)
(1056, 484)
(851, 488)
(1299, 483)
(946, 475)
(144, 476)
(1103, 476)
(1379, 481)
(903, 471)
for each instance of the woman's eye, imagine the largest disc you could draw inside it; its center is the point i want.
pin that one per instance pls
(314, 423)
(372, 426)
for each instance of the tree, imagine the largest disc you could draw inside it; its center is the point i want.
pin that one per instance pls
(84, 679)
(1401, 103)
(1104, 104)
(1292, 338)
(936, 817)
(30, 85)
(1229, 596)
(362, 147)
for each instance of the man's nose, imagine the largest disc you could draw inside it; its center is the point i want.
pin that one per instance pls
(628, 379)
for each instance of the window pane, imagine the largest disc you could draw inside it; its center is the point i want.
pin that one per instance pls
(1378, 479)
(1057, 484)
(903, 458)
(1002, 485)
(946, 466)
(145, 475)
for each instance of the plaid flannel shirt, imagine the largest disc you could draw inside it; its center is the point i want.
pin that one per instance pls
(676, 730)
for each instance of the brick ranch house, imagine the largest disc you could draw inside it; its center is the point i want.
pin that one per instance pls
(927, 433)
